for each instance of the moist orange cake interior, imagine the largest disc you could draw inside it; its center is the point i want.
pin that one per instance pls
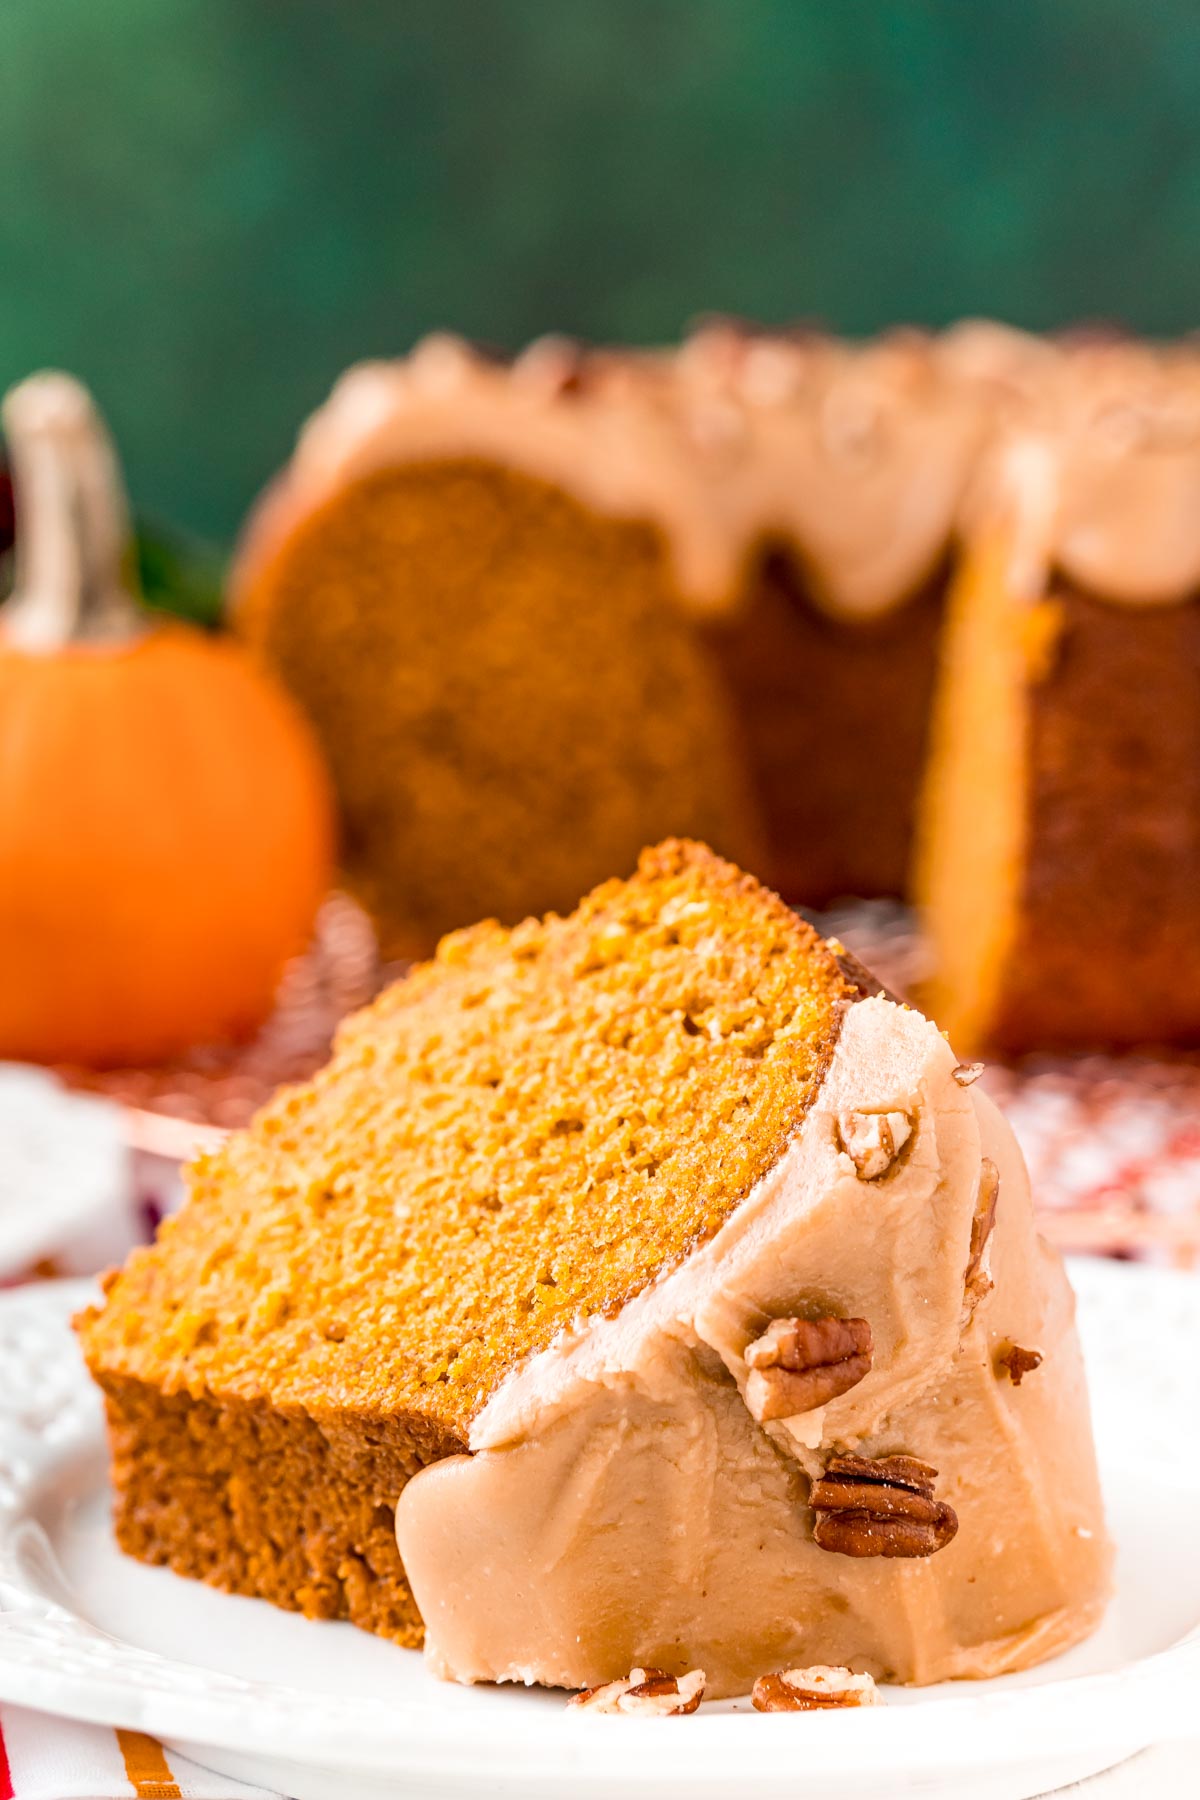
(510, 697)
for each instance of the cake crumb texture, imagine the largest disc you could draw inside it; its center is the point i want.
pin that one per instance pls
(510, 697)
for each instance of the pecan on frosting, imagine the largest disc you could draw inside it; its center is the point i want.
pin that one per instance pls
(799, 1364)
(1016, 1362)
(880, 1507)
(873, 1140)
(966, 1074)
(977, 1280)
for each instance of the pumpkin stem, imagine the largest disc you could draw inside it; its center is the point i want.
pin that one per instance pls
(73, 533)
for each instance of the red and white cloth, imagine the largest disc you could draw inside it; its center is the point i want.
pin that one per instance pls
(51, 1759)
(42, 1758)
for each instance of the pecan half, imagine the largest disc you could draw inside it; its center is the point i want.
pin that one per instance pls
(873, 1141)
(799, 1364)
(1017, 1362)
(977, 1281)
(812, 1690)
(651, 1693)
(880, 1507)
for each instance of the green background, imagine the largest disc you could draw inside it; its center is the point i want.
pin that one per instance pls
(208, 207)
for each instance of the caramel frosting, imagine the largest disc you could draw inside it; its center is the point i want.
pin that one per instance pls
(1098, 475)
(622, 1506)
(857, 456)
(866, 459)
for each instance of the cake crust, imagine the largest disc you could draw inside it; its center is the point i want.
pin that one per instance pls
(1059, 828)
(1113, 833)
(846, 696)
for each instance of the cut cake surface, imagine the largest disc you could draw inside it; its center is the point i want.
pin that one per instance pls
(509, 697)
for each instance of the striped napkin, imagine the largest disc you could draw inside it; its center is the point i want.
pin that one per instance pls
(52, 1759)
(42, 1758)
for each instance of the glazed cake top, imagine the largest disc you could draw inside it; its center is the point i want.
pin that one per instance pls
(856, 454)
(867, 458)
(1098, 472)
(526, 1131)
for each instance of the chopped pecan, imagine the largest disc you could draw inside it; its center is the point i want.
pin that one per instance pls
(554, 365)
(652, 1693)
(873, 1141)
(1017, 1362)
(977, 1280)
(881, 1507)
(967, 1073)
(799, 1364)
(812, 1690)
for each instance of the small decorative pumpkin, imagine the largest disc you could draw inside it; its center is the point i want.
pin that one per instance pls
(166, 827)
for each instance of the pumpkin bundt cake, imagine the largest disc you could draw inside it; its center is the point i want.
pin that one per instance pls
(1059, 867)
(638, 1288)
(541, 614)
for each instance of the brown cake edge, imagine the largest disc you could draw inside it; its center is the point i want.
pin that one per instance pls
(1112, 803)
(267, 1501)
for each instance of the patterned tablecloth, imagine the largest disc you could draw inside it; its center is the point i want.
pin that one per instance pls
(42, 1758)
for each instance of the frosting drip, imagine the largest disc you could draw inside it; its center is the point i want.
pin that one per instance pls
(1100, 475)
(858, 457)
(866, 459)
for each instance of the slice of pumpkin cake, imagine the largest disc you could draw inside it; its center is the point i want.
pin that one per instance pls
(662, 1287)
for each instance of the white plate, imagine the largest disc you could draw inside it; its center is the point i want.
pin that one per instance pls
(324, 1712)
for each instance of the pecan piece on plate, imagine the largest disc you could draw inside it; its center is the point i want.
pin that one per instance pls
(812, 1690)
(1016, 1362)
(977, 1280)
(880, 1507)
(873, 1140)
(799, 1364)
(648, 1693)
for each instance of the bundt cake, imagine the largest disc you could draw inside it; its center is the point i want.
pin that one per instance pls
(640, 1288)
(542, 613)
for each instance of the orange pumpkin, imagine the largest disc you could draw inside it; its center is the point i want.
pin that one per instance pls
(166, 827)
